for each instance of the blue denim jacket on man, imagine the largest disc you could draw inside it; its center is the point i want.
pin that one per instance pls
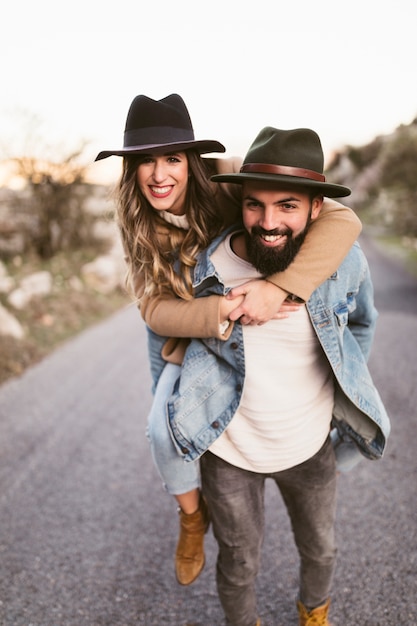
(208, 392)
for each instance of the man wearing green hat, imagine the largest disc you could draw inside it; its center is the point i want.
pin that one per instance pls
(275, 400)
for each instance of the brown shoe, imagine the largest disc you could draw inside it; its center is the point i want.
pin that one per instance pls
(189, 557)
(315, 617)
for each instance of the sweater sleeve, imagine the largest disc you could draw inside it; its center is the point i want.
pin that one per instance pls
(172, 317)
(329, 239)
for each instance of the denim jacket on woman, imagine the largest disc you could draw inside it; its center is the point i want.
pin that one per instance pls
(341, 310)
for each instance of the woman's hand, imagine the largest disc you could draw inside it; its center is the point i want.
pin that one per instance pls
(259, 301)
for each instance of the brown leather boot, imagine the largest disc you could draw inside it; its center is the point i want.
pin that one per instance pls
(189, 557)
(315, 617)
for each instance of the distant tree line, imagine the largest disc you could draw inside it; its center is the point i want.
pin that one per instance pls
(383, 177)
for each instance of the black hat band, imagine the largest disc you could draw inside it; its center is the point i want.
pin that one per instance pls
(156, 135)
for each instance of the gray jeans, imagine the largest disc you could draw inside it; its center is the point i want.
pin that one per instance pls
(236, 502)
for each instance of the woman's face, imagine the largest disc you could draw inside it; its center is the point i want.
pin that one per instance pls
(163, 180)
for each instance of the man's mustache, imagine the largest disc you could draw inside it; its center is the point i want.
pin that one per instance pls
(258, 230)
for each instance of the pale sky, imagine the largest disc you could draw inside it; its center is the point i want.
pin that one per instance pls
(346, 69)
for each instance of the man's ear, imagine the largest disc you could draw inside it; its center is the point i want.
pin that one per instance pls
(316, 205)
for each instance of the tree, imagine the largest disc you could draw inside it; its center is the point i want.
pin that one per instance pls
(398, 179)
(52, 211)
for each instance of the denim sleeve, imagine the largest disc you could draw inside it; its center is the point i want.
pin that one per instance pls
(362, 321)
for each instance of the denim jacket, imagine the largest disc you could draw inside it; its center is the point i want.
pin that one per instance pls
(208, 392)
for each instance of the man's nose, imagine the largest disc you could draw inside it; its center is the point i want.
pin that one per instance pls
(270, 219)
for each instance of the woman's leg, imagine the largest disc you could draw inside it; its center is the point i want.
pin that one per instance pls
(178, 476)
(188, 502)
(181, 479)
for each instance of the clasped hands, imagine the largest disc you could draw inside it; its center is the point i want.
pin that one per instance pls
(256, 302)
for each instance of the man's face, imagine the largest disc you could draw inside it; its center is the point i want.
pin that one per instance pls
(276, 221)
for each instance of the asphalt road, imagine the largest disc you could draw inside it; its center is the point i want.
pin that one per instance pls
(87, 534)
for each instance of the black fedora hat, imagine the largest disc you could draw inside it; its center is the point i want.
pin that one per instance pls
(288, 157)
(157, 126)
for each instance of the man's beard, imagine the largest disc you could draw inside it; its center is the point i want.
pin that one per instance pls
(270, 260)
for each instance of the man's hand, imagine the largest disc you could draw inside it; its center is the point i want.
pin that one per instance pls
(262, 302)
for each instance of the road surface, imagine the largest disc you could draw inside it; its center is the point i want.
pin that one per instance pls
(87, 534)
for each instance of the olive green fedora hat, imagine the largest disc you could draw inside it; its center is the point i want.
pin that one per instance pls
(158, 126)
(286, 157)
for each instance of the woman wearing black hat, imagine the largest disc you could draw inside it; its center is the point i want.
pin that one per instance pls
(168, 210)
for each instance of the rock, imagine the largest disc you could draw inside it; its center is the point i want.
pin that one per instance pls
(6, 282)
(9, 325)
(102, 274)
(76, 283)
(37, 284)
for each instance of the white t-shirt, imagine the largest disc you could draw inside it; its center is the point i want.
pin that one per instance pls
(286, 407)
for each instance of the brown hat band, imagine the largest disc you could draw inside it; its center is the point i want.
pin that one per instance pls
(285, 170)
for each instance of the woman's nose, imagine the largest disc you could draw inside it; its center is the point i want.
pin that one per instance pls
(159, 172)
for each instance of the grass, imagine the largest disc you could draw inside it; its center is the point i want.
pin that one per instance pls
(50, 321)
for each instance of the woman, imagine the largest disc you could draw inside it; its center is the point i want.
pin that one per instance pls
(168, 211)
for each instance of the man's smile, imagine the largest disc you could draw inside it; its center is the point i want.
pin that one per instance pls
(273, 239)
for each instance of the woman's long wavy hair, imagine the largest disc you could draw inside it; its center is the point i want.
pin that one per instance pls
(137, 222)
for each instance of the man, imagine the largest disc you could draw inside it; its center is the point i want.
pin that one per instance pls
(263, 403)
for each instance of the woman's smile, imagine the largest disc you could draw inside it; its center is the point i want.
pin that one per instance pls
(160, 192)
